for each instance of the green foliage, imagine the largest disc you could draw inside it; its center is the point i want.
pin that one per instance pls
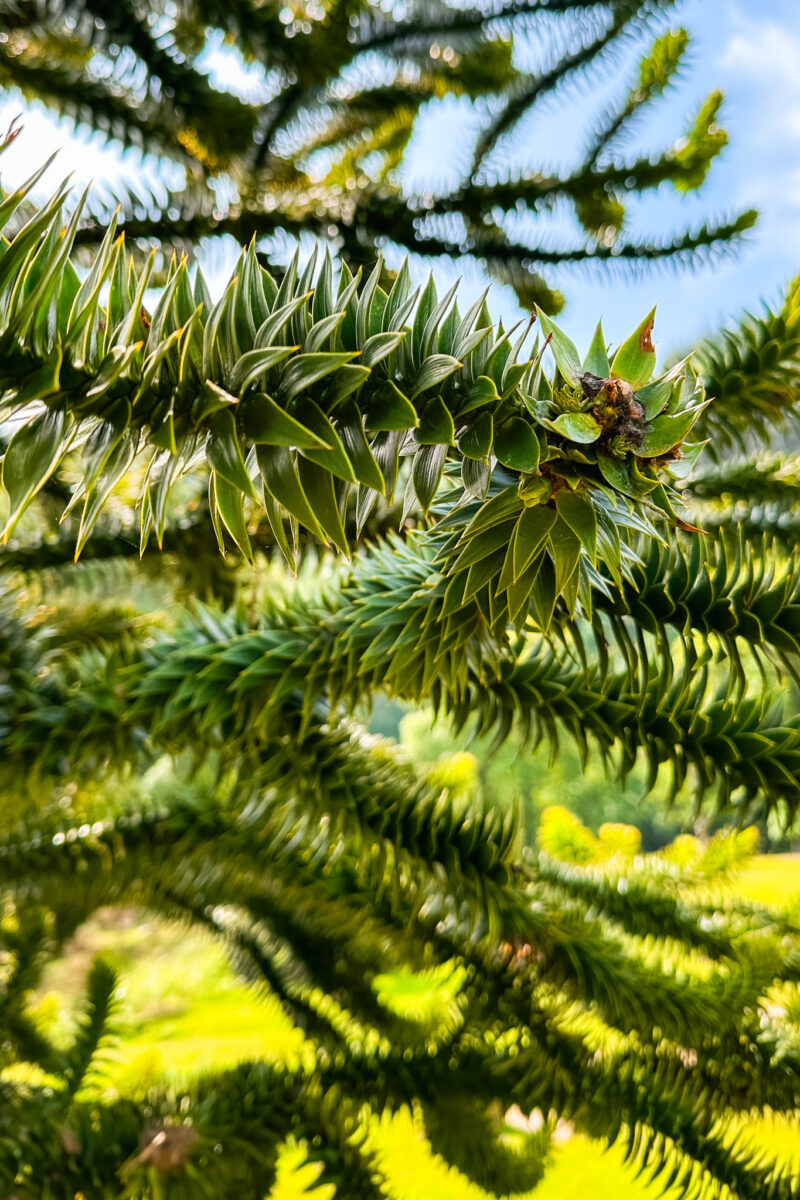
(547, 586)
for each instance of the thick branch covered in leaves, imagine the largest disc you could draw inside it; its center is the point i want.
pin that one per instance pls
(753, 373)
(383, 630)
(313, 388)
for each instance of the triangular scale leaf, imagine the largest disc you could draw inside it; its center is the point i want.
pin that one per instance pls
(476, 441)
(317, 483)
(667, 432)
(565, 549)
(225, 456)
(533, 528)
(564, 350)
(307, 369)
(356, 446)
(483, 391)
(230, 503)
(596, 361)
(115, 467)
(281, 481)
(266, 423)
(636, 358)
(435, 424)
(475, 477)
(434, 370)
(389, 409)
(278, 528)
(335, 459)
(255, 363)
(426, 472)
(576, 510)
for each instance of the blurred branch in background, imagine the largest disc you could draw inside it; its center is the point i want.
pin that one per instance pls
(306, 127)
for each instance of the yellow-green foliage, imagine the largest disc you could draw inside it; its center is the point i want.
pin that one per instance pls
(564, 836)
(170, 1026)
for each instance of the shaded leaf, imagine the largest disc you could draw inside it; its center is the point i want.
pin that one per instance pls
(435, 424)
(476, 442)
(435, 369)
(475, 476)
(577, 511)
(212, 399)
(566, 549)
(483, 391)
(533, 528)
(317, 483)
(230, 503)
(426, 472)
(306, 369)
(379, 345)
(616, 472)
(335, 460)
(356, 446)
(32, 455)
(255, 363)
(281, 481)
(102, 440)
(543, 593)
(265, 422)
(278, 527)
(118, 462)
(42, 382)
(517, 446)
(389, 409)
(484, 543)
(655, 397)
(343, 383)
(225, 456)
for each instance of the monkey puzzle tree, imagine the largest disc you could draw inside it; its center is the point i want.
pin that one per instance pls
(553, 583)
(332, 94)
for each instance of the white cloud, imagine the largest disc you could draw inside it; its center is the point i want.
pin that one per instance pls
(762, 49)
(767, 54)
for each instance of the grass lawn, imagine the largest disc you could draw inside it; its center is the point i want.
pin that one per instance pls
(181, 1008)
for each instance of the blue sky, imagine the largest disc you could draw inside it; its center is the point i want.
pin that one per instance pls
(751, 52)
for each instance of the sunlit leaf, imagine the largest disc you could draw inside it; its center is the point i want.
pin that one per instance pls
(636, 358)
(578, 427)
